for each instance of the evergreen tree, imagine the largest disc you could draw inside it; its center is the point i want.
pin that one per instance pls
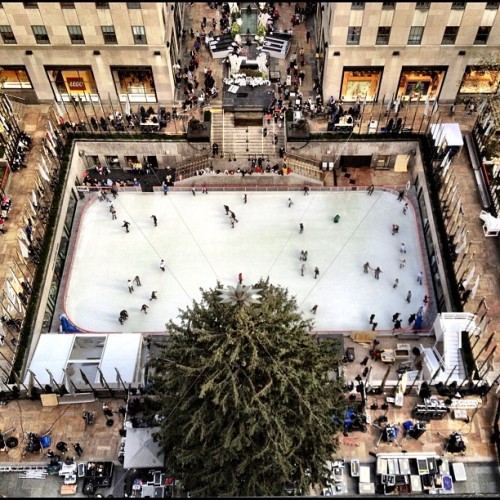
(246, 394)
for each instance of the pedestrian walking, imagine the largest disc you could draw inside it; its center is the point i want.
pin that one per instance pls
(302, 269)
(402, 248)
(290, 202)
(377, 273)
(155, 220)
(396, 283)
(108, 411)
(193, 190)
(113, 213)
(153, 295)
(316, 272)
(301, 228)
(126, 225)
(78, 449)
(308, 36)
(275, 141)
(370, 190)
(401, 194)
(372, 317)
(130, 286)
(405, 208)
(420, 278)
(402, 263)
(240, 278)
(245, 198)
(366, 266)
(397, 325)
(145, 308)
(137, 281)
(162, 265)
(314, 309)
(226, 208)
(408, 296)
(395, 317)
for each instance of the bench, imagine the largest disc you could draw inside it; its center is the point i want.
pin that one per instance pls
(478, 173)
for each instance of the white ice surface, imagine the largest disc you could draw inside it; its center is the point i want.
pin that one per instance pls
(195, 238)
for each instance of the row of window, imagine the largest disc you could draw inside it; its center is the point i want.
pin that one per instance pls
(416, 34)
(75, 35)
(424, 5)
(71, 5)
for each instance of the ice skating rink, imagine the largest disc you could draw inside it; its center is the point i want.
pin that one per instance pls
(195, 238)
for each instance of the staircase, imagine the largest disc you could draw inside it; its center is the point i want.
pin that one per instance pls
(452, 355)
(242, 142)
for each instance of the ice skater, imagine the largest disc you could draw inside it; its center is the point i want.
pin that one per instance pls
(372, 317)
(302, 256)
(420, 278)
(405, 208)
(377, 273)
(396, 283)
(402, 248)
(155, 220)
(137, 281)
(153, 295)
(233, 216)
(301, 228)
(314, 309)
(113, 213)
(395, 317)
(145, 308)
(226, 208)
(402, 263)
(130, 286)
(426, 300)
(123, 316)
(401, 194)
(370, 190)
(126, 224)
(204, 189)
(306, 190)
(408, 296)
(397, 325)
(244, 199)
(316, 272)
(412, 318)
(290, 202)
(302, 269)
(193, 190)
(366, 266)
(240, 278)
(395, 229)
(162, 265)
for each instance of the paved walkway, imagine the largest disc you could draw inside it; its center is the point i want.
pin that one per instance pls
(102, 442)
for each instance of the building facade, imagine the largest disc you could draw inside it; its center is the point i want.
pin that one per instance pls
(417, 51)
(90, 51)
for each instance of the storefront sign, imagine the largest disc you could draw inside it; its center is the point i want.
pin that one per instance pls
(76, 84)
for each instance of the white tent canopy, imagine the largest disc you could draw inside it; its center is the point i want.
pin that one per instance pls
(87, 352)
(141, 451)
(447, 135)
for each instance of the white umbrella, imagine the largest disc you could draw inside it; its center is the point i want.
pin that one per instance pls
(426, 108)
(43, 173)
(33, 197)
(33, 211)
(389, 104)
(22, 235)
(24, 250)
(474, 288)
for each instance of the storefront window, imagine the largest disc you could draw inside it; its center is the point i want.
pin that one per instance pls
(134, 83)
(360, 84)
(421, 83)
(477, 80)
(14, 77)
(76, 82)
